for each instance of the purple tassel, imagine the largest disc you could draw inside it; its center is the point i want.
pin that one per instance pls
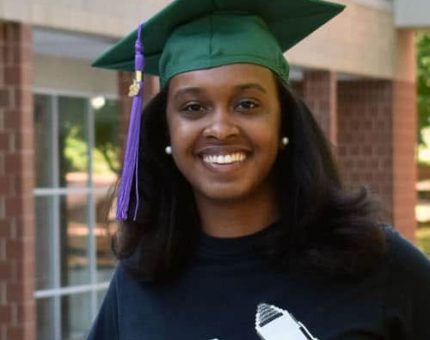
(130, 168)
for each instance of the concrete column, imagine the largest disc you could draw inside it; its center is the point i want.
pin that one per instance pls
(17, 216)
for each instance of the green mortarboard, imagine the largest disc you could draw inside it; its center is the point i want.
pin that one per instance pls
(192, 35)
(197, 34)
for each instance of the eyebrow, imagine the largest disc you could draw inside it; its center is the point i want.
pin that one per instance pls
(198, 90)
(251, 86)
(187, 90)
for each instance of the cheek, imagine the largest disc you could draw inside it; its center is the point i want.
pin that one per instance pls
(267, 136)
(182, 139)
(180, 135)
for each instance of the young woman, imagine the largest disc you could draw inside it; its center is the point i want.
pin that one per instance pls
(237, 225)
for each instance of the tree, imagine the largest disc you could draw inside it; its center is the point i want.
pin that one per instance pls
(423, 83)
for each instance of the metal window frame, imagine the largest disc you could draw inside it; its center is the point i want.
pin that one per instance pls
(55, 192)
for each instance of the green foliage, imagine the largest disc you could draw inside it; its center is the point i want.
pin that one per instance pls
(423, 83)
(107, 141)
(76, 151)
(74, 138)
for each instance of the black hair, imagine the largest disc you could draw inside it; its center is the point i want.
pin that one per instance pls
(322, 226)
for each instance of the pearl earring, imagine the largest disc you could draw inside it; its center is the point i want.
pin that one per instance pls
(168, 150)
(285, 141)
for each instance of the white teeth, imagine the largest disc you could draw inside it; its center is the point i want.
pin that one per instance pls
(225, 159)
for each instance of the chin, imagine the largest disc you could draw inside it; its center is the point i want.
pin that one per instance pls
(226, 192)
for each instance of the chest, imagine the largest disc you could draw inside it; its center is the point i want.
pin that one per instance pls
(225, 306)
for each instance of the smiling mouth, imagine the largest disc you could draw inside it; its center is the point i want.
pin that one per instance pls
(237, 157)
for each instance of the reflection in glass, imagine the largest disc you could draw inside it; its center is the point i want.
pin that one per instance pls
(106, 168)
(73, 142)
(43, 148)
(45, 256)
(105, 227)
(64, 248)
(74, 235)
(76, 316)
(100, 297)
(45, 319)
(106, 151)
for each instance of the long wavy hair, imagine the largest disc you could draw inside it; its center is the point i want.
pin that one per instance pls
(322, 226)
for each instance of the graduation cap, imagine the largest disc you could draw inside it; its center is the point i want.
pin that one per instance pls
(190, 35)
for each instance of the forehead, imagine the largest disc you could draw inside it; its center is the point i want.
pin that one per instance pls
(227, 76)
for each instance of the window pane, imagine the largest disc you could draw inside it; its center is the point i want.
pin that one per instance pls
(106, 167)
(43, 149)
(76, 316)
(73, 142)
(45, 233)
(74, 240)
(100, 297)
(106, 151)
(106, 226)
(45, 319)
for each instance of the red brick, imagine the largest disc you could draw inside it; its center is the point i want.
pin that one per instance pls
(12, 119)
(22, 310)
(4, 97)
(5, 270)
(14, 206)
(4, 228)
(13, 163)
(372, 118)
(14, 292)
(14, 249)
(15, 333)
(319, 91)
(5, 314)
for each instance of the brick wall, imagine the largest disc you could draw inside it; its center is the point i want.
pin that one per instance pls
(404, 159)
(319, 89)
(373, 125)
(17, 220)
(376, 144)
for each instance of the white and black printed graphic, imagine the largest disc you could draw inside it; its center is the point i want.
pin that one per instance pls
(274, 323)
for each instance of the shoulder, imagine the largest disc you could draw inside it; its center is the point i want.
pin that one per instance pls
(407, 290)
(404, 258)
(407, 271)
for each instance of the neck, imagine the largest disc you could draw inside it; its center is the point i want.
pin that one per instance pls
(235, 218)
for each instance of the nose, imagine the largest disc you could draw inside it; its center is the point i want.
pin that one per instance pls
(221, 125)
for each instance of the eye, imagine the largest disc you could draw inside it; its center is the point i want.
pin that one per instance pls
(192, 107)
(247, 105)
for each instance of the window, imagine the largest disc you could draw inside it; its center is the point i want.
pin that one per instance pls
(77, 165)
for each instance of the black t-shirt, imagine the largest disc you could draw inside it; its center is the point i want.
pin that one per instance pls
(229, 293)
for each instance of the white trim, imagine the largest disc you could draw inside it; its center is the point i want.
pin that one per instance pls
(385, 5)
(66, 191)
(69, 44)
(56, 261)
(91, 206)
(46, 293)
(79, 94)
(55, 193)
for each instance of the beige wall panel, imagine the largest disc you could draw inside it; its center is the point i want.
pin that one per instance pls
(105, 17)
(361, 41)
(73, 76)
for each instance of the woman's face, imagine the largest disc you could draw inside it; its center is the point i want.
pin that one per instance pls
(224, 128)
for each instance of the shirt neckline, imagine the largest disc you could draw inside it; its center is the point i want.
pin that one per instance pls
(235, 248)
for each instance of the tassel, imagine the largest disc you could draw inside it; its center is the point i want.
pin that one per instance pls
(130, 167)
